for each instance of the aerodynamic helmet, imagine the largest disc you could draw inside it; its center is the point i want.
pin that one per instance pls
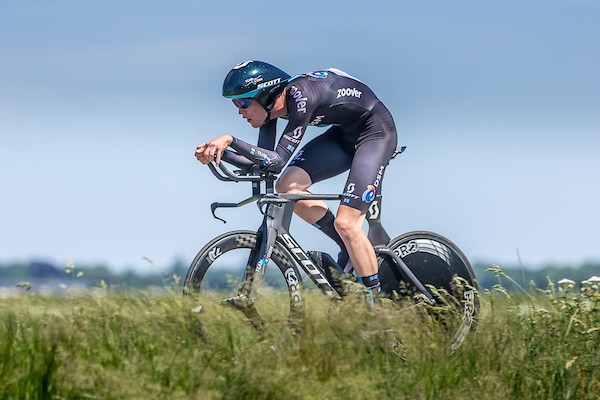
(256, 80)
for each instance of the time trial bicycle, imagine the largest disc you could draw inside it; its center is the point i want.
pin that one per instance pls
(242, 267)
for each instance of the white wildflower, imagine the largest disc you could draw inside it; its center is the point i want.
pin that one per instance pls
(591, 285)
(566, 281)
(590, 281)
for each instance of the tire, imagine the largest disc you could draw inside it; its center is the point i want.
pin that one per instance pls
(216, 273)
(442, 267)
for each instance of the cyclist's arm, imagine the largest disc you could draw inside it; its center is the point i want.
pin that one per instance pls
(267, 134)
(269, 160)
(236, 159)
(299, 118)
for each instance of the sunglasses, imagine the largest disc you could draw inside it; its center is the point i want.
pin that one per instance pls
(242, 103)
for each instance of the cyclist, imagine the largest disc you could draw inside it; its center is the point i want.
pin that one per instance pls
(362, 139)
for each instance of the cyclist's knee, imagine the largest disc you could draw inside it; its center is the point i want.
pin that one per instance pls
(348, 226)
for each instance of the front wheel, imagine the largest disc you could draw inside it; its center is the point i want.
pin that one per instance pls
(217, 272)
(443, 268)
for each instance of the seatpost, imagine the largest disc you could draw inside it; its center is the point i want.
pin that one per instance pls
(270, 186)
(258, 186)
(376, 234)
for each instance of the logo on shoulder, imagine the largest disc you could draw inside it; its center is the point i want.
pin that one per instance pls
(299, 99)
(319, 74)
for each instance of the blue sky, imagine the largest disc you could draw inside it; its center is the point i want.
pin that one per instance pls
(102, 105)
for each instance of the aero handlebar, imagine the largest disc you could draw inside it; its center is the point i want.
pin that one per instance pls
(249, 171)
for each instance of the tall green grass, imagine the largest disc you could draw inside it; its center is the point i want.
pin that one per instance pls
(537, 344)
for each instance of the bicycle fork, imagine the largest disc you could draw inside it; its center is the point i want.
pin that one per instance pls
(242, 302)
(276, 221)
(257, 262)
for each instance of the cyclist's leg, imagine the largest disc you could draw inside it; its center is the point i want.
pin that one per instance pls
(375, 147)
(349, 224)
(364, 178)
(323, 157)
(297, 181)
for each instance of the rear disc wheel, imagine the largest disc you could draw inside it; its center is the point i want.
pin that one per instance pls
(446, 272)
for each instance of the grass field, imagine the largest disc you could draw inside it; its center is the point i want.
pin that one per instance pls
(537, 344)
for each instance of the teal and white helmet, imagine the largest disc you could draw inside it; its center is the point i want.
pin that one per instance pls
(256, 80)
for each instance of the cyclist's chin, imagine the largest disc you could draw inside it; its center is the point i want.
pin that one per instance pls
(256, 123)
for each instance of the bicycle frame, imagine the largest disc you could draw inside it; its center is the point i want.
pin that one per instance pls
(278, 210)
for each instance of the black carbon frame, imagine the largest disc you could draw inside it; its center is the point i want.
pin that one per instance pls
(278, 210)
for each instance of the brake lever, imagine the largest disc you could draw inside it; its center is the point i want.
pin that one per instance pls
(215, 205)
(213, 208)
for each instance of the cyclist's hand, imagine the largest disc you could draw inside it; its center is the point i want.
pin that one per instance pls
(213, 149)
(200, 149)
